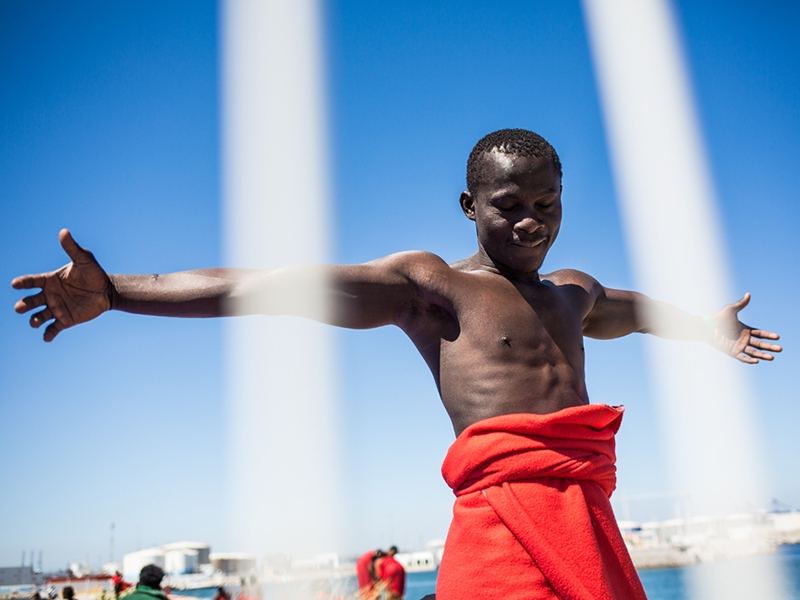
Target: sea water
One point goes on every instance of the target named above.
(674, 584)
(660, 584)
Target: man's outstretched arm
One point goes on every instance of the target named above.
(356, 296)
(81, 291)
(618, 312)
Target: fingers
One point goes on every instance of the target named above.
(757, 354)
(764, 334)
(53, 330)
(41, 317)
(27, 282)
(746, 359)
(30, 302)
(737, 306)
(71, 247)
(756, 343)
(753, 351)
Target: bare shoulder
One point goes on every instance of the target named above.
(416, 265)
(573, 277)
(582, 289)
(426, 274)
(415, 259)
(427, 315)
(398, 289)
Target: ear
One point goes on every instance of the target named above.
(467, 203)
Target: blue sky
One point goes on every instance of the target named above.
(110, 126)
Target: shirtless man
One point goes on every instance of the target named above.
(501, 338)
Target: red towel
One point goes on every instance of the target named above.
(532, 517)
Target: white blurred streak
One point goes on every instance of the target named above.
(280, 369)
(673, 233)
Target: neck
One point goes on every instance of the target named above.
(481, 260)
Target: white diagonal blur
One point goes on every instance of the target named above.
(675, 243)
(284, 495)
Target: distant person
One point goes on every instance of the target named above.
(392, 575)
(366, 575)
(149, 586)
(222, 594)
(120, 585)
(505, 344)
(68, 593)
(36, 595)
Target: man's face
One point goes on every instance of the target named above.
(516, 209)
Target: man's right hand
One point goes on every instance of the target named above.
(75, 293)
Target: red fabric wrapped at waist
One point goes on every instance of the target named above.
(532, 517)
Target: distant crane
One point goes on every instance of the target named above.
(111, 545)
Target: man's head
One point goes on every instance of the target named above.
(151, 576)
(68, 593)
(518, 142)
(392, 551)
(514, 197)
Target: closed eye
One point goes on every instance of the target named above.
(547, 203)
(504, 203)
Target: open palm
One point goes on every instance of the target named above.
(744, 343)
(75, 293)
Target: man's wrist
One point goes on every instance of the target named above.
(112, 294)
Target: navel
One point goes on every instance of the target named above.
(505, 340)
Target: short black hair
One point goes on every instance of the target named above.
(68, 593)
(508, 141)
(151, 576)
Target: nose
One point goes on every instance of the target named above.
(527, 225)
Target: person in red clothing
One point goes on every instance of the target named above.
(392, 575)
(366, 574)
(120, 585)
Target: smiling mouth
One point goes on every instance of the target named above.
(528, 244)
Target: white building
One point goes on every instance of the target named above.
(232, 563)
(203, 550)
(133, 562)
(178, 558)
(180, 561)
(413, 562)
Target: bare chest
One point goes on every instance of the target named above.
(503, 321)
(515, 352)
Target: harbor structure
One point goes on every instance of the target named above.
(233, 563)
(178, 558)
(704, 539)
